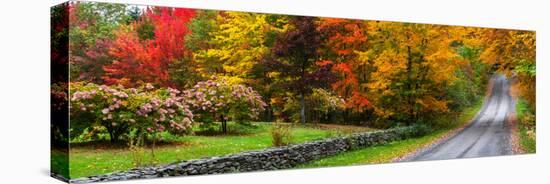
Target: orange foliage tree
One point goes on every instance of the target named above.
(343, 39)
(413, 65)
(514, 53)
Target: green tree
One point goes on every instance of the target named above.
(186, 72)
(90, 23)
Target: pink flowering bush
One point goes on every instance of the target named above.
(245, 103)
(120, 110)
(93, 105)
(146, 110)
(217, 100)
(162, 109)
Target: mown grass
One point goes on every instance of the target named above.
(528, 144)
(59, 162)
(94, 160)
(376, 154)
(388, 152)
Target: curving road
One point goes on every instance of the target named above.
(487, 135)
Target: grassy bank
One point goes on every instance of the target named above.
(526, 127)
(93, 159)
(388, 152)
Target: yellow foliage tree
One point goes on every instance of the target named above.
(238, 43)
(512, 52)
(413, 65)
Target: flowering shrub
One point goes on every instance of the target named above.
(206, 99)
(216, 99)
(121, 110)
(148, 110)
(163, 109)
(93, 105)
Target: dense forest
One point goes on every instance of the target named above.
(301, 69)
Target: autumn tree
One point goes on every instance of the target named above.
(414, 65)
(90, 63)
(511, 52)
(472, 77)
(92, 27)
(238, 42)
(261, 77)
(90, 22)
(296, 58)
(232, 45)
(344, 38)
(141, 61)
(187, 72)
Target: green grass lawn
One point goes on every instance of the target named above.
(94, 160)
(376, 154)
(528, 144)
(388, 152)
(59, 162)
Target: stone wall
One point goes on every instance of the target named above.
(262, 160)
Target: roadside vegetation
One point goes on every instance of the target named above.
(398, 149)
(527, 127)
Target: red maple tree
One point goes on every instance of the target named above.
(343, 36)
(137, 60)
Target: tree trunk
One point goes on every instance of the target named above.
(302, 108)
(114, 131)
(345, 114)
(153, 146)
(302, 93)
(224, 124)
(269, 117)
(111, 136)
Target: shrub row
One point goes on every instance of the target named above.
(123, 112)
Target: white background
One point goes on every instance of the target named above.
(24, 90)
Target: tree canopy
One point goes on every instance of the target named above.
(305, 69)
